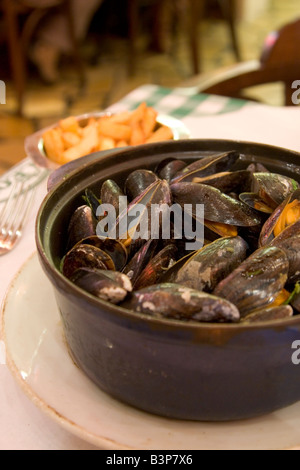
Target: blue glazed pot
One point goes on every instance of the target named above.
(209, 372)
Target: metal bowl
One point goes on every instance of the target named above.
(211, 372)
(34, 143)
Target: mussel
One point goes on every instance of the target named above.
(206, 166)
(88, 256)
(222, 213)
(134, 224)
(257, 281)
(82, 224)
(181, 303)
(212, 263)
(246, 269)
(286, 214)
(111, 286)
(111, 193)
(138, 181)
(268, 191)
(266, 314)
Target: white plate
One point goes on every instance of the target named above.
(39, 360)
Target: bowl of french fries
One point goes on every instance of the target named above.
(76, 136)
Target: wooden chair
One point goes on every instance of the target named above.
(19, 34)
(194, 14)
(279, 62)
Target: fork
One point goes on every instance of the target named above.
(14, 215)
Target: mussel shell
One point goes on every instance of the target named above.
(140, 260)
(156, 267)
(114, 249)
(267, 314)
(295, 303)
(218, 207)
(257, 281)
(207, 166)
(257, 167)
(267, 235)
(289, 242)
(255, 202)
(158, 193)
(82, 224)
(91, 200)
(212, 263)
(111, 193)
(170, 274)
(227, 182)
(137, 181)
(178, 302)
(85, 256)
(168, 168)
(273, 188)
(111, 286)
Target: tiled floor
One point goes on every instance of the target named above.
(108, 80)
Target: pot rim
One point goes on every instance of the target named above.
(169, 324)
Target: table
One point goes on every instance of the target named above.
(22, 424)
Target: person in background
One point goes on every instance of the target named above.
(53, 39)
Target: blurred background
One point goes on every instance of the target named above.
(120, 45)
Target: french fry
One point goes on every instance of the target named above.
(137, 135)
(138, 113)
(69, 124)
(53, 144)
(88, 144)
(70, 140)
(122, 118)
(107, 143)
(114, 130)
(162, 133)
(149, 122)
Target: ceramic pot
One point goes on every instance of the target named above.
(211, 372)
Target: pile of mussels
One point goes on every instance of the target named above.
(247, 270)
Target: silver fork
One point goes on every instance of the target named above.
(14, 215)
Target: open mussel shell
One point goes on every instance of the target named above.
(207, 166)
(134, 223)
(212, 263)
(113, 248)
(170, 274)
(279, 312)
(255, 202)
(179, 302)
(84, 255)
(82, 224)
(273, 188)
(257, 281)
(138, 181)
(218, 207)
(140, 260)
(270, 228)
(156, 267)
(289, 241)
(111, 286)
(111, 193)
